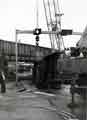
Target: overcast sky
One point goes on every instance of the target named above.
(21, 14)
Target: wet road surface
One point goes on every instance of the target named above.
(35, 105)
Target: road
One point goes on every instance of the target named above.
(33, 104)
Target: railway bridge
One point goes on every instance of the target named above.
(26, 52)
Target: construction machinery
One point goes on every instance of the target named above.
(53, 19)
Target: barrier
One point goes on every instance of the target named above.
(82, 90)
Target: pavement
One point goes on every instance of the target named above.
(32, 104)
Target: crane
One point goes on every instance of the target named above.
(53, 19)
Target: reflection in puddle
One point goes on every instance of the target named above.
(80, 110)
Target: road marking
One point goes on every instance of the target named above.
(44, 93)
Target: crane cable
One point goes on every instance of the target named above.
(47, 22)
(60, 21)
(37, 14)
(58, 6)
(55, 11)
(51, 21)
(37, 22)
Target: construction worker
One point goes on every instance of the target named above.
(2, 82)
(3, 72)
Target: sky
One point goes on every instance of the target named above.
(21, 14)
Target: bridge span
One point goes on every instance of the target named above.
(26, 52)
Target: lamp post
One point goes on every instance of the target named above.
(16, 52)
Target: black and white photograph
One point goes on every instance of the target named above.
(43, 60)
